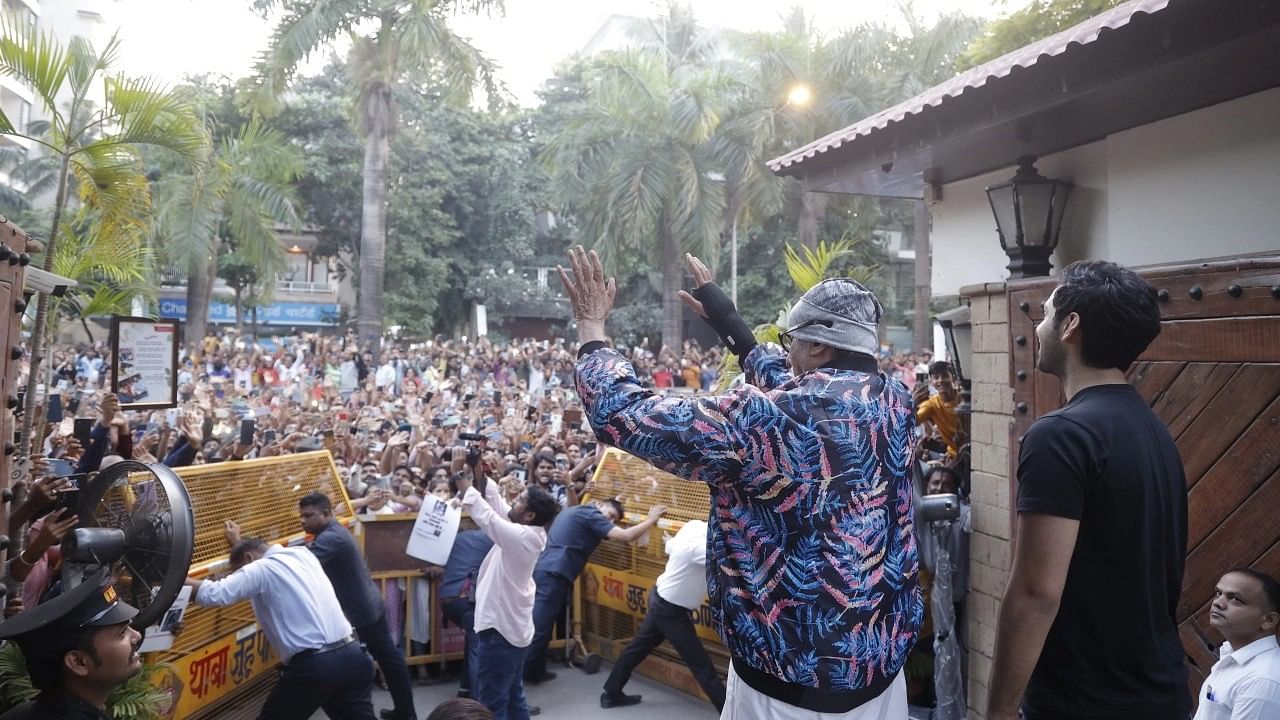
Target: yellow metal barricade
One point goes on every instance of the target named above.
(613, 593)
(221, 656)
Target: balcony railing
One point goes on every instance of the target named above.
(294, 287)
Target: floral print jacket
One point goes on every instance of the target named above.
(812, 565)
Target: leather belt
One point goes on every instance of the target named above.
(312, 652)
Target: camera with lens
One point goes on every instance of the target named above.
(939, 508)
(473, 450)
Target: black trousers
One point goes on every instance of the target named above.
(462, 613)
(667, 621)
(378, 641)
(338, 681)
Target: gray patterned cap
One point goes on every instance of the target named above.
(852, 309)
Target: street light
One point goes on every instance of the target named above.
(1028, 210)
(799, 95)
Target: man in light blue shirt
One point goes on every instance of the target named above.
(295, 604)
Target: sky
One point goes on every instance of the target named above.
(169, 39)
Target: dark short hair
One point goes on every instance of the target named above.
(1119, 311)
(1270, 586)
(940, 367)
(542, 504)
(244, 547)
(317, 500)
(616, 505)
(405, 468)
(44, 666)
(461, 709)
(544, 456)
(947, 470)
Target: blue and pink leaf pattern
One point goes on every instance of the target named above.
(812, 568)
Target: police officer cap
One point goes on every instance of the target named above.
(47, 628)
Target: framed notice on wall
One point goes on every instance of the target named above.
(144, 362)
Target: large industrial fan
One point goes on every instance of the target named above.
(135, 519)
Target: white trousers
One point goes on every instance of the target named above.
(743, 702)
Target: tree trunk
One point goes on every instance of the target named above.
(253, 327)
(38, 328)
(922, 335)
(672, 332)
(373, 230)
(197, 305)
(813, 208)
(237, 291)
(88, 333)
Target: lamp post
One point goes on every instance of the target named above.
(1028, 210)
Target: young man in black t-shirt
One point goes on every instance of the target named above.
(1088, 625)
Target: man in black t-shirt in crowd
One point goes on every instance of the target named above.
(1087, 626)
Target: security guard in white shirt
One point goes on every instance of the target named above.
(679, 589)
(294, 602)
(1245, 682)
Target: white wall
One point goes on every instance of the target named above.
(1203, 184)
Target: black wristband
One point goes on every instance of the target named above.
(723, 317)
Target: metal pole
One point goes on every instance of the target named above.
(733, 262)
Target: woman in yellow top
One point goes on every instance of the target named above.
(938, 412)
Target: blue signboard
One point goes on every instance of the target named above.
(283, 313)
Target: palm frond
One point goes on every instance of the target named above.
(143, 113)
(809, 266)
(304, 28)
(35, 58)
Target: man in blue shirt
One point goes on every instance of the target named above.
(573, 537)
(359, 597)
(458, 592)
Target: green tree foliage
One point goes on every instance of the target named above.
(462, 190)
(1038, 20)
(394, 42)
(636, 157)
(233, 204)
(96, 149)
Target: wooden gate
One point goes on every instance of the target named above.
(1213, 375)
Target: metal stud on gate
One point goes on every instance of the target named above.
(1235, 291)
(1196, 292)
(1163, 295)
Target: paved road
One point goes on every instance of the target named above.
(574, 695)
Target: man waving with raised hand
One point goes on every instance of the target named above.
(812, 566)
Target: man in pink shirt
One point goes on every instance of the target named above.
(505, 589)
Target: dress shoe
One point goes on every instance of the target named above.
(608, 700)
(534, 710)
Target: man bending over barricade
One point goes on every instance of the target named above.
(573, 537)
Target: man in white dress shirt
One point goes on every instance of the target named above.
(1245, 682)
(324, 667)
(680, 588)
(505, 589)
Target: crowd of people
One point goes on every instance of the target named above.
(814, 585)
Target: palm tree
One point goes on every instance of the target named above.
(235, 203)
(850, 76)
(408, 38)
(636, 160)
(96, 150)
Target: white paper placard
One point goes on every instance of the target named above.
(434, 531)
(160, 636)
